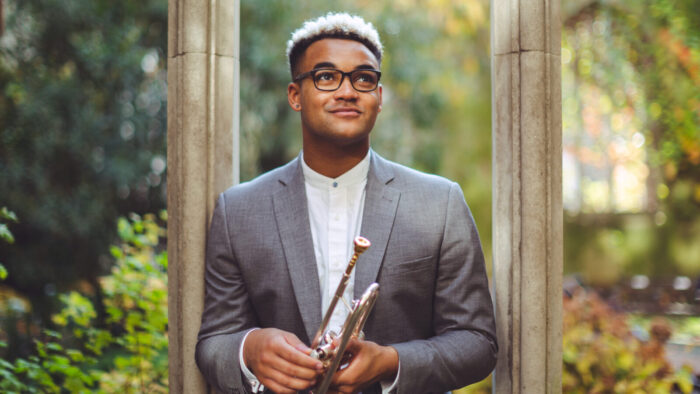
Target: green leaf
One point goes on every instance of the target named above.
(75, 355)
(52, 334)
(116, 252)
(5, 234)
(8, 215)
(3, 272)
(6, 365)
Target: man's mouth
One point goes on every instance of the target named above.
(346, 111)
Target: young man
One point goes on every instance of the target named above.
(278, 245)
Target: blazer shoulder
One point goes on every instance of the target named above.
(412, 179)
(262, 185)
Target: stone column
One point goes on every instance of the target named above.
(203, 85)
(527, 195)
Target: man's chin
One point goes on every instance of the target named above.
(347, 138)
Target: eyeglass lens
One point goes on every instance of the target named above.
(362, 80)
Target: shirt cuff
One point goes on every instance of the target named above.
(389, 387)
(255, 385)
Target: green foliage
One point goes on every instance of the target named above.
(82, 140)
(630, 77)
(130, 354)
(601, 355)
(6, 216)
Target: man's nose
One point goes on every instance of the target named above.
(346, 91)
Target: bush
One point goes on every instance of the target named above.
(601, 355)
(129, 354)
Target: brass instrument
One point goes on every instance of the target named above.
(322, 346)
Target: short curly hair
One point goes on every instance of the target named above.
(332, 25)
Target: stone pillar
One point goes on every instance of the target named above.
(203, 85)
(527, 195)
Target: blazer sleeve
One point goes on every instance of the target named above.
(464, 348)
(227, 314)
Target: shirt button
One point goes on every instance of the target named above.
(335, 184)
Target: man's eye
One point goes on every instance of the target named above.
(365, 77)
(325, 76)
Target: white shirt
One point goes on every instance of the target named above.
(335, 208)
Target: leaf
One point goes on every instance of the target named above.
(5, 234)
(8, 215)
(3, 272)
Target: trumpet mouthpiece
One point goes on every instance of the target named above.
(361, 244)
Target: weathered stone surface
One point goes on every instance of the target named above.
(506, 224)
(527, 206)
(203, 107)
(504, 27)
(525, 25)
(533, 25)
(226, 27)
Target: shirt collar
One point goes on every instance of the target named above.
(353, 176)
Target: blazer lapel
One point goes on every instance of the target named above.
(292, 215)
(381, 202)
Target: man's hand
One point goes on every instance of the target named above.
(369, 364)
(280, 360)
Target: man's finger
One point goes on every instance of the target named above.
(273, 377)
(297, 357)
(278, 359)
(290, 369)
(297, 343)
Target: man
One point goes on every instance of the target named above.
(277, 247)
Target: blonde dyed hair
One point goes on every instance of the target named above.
(332, 25)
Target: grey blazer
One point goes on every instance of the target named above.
(434, 305)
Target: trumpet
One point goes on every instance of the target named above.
(328, 346)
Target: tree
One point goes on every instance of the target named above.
(82, 132)
(631, 75)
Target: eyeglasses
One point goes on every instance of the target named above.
(330, 79)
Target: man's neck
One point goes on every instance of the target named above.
(333, 161)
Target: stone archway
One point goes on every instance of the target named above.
(203, 86)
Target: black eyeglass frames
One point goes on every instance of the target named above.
(330, 79)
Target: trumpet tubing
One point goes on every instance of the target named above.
(328, 346)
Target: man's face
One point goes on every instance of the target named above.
(344, 116)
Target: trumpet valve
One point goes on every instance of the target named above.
(329, 336)
(324, 351)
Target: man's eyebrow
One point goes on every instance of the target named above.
(332, 65)
(323, 65)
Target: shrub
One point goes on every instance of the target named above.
(129, 354)
(601, 355)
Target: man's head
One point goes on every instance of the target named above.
(340, 25)
(335, 61)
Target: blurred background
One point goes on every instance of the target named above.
(83, 173)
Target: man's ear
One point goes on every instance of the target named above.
(379, 92)
(294, 96)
